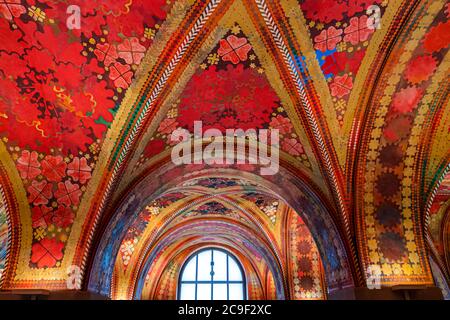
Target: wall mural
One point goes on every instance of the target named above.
(60, 90)
(403, 98)
(4, 234)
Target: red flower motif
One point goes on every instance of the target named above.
(68, 193)
(281, 123)
(341, 86)
(357, 31)
(153, 147)
(63, 217)
(234, 49)
(54, 168)
(131, 51)
(28, 165)
(47, 252)
(121, 75)
(406, 100)
(292, 146)
(42, 216)
(167, 126)
(79, 170)
(39, 192)
(11, 8)
(106, 53)
(328, 39)
(420, 69)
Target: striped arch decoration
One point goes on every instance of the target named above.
(390, 225)
(4, 235)
(359, 91)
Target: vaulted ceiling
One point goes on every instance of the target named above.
(358, 90)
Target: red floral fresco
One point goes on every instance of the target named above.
(60, 87)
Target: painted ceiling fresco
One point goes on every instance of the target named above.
(358, 90)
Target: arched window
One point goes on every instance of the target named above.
(212, 274)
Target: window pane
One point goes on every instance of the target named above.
(189, 271)
(236, 291)
(220, 266)
(204, 265)
(204, 291)
(220, 291)
(234, 272)
(187, 291)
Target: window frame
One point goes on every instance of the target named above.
(194, 255)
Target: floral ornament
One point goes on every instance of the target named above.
(131, 51)
(167, 126)
(47, 252)
(281, 123)
(406, 100)
(54, 168)
(213, 97)
(42, 216)
(11, 8)
(420, 69)
(63, 217)
(106, 52)
(341, 86)
(39, 192)
(28, 165)
(328, 39)
(68, 193)
(292, 146)
(121, 75)
(234, 49)
(127, 250)
(79, 170)
(358, 30)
